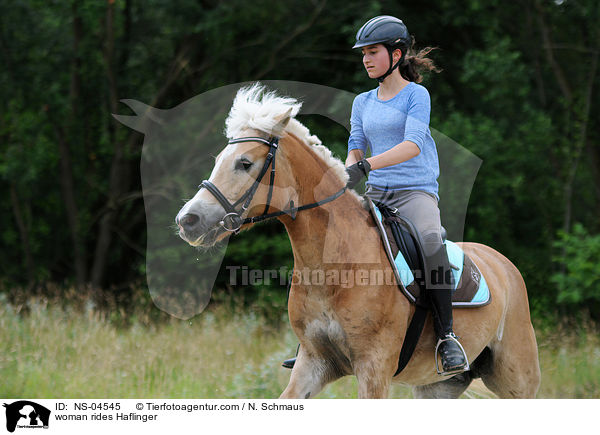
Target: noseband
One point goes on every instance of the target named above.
(232, 221)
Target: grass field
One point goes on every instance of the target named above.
(52, 352)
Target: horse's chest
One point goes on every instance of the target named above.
(327, 338)
(325, 329)
(319, 328)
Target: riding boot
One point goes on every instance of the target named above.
(440, 284)
(289, 363)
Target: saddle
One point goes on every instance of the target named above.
(404, 248)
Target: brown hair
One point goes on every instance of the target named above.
(413, 64)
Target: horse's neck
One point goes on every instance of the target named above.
(337, 235)
(325, 236)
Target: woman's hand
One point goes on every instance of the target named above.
(353, 157)
(357, 172)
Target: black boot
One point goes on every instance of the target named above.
(289, 363)
(440, 283)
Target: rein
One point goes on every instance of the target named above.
(232, 221)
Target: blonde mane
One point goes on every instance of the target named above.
(255, 108)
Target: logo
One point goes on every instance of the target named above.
(26, 414)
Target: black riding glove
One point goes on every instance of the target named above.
(356, 172)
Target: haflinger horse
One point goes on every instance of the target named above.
(345, 330)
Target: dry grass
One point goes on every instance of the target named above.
(53, 352)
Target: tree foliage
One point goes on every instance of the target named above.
(579, 252)
(519, 88)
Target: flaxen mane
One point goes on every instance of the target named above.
(255, 108)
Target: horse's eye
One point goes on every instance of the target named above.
(243, 163)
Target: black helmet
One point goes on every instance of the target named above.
(385, 30)
(389, 31)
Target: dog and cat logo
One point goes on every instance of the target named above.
(25, 414)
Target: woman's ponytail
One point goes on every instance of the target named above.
(414, 64)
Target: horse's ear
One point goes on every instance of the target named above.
(282, 122)
(144, 114)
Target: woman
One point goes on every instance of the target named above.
(393, 121)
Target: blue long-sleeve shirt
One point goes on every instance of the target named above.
(381, 125)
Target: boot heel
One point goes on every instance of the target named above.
(289, 363)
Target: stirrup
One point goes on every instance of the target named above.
(450, 337)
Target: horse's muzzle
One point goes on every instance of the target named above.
(188, 222)
(199, 226)
(190, 227)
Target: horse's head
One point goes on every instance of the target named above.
(261, 132)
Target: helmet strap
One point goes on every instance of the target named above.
(393, 66)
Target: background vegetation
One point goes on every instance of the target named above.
(519, 88)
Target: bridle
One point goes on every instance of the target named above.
(232, 221)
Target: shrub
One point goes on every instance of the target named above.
(578, 255)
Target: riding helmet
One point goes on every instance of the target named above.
(389, 31)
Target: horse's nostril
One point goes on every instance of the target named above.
(189, 221)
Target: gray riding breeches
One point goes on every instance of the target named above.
(420, 207)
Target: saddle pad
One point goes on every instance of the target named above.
(471, 289)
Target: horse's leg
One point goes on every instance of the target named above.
(509, 367)
(513, 370)
(309, 375)
(373, 379)
(449, 389)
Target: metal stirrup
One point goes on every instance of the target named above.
(450, 337)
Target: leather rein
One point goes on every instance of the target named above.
(232, 221)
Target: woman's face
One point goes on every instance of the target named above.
(377, 60)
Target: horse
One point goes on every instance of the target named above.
(350, 329)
